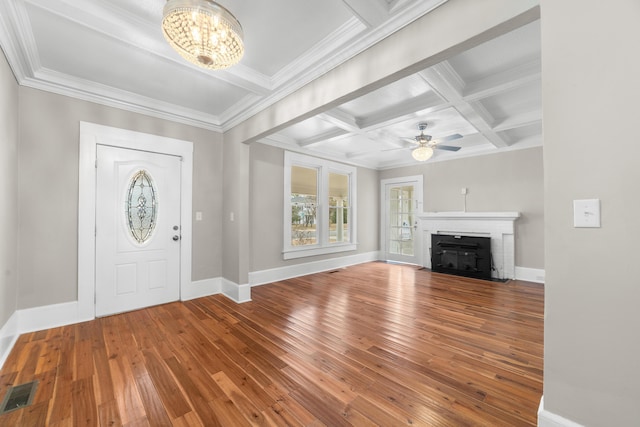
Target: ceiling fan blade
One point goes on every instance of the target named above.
(446, 147)
(450, 137)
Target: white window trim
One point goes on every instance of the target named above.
(323, 246)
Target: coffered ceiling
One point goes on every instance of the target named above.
(113, 52)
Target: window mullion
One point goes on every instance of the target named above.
(323, 205)
(287, 206)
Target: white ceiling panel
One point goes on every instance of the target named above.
(277, 32)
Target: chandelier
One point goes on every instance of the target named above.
(203, 32)
(422, 153)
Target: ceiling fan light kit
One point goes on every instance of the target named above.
(203, 32)
(422, 153)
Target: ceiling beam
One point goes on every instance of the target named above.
(444, 80)
(341, 119)
(371, 13)
(279, 140)
(512, 78)
(519, 120)
(427, 102)
(325, 136)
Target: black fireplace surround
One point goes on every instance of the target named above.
(461, 255)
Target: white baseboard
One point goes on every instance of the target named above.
(529, 274)
(8, 337)
(262, 277)
(49, 316)
(549, 419)
(235, 292)
(36, 319)
(201, 288)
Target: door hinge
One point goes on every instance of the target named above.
(96, 164)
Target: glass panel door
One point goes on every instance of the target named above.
(402, 205)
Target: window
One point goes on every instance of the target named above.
(318, 204)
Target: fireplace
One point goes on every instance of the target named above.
(461, 255)
(499, 226)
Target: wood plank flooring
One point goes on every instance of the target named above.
(373, 344)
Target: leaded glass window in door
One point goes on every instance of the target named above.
(141, 206)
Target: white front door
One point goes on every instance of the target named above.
(137, 229)
(402, 202)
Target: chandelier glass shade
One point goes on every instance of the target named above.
(422, 153)
(203, 32)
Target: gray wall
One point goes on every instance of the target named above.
(267, 210)
(591, 87)
(8, 191)
(235, 233)
(48, 191)
(511, 181)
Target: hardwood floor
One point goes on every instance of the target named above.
(373, 344)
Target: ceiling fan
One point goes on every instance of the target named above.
(426, 144)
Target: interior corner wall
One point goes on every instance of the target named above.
(508, 181)
(8, 193)
(48, 155)
(590, 88)
(235, 219)
(267, 211)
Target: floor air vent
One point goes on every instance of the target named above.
(18, 397)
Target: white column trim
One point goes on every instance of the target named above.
(8, 336)
(235, 292)
(549, 419)
(535, 275)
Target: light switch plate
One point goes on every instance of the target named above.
(586, 213)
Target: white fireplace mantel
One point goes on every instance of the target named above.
(497, 225)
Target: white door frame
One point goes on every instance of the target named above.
(92, 135)
(417, 180)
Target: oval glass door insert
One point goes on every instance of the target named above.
(141, 206)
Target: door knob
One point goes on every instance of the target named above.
(176, 238)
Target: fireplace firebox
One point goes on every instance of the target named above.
(468, 256)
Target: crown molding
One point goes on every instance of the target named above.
(63, 84)
(17, 40)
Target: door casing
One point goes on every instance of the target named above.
(91, 135)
